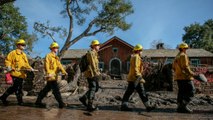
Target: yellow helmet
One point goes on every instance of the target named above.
(95, 42)
(20, 41)
(54, 45)
(183, 46)
(138, 47)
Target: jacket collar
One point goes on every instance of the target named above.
(52, 54)
(19, 52)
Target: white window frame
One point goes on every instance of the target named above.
(195, 60)
(128, 65)
(102, 64)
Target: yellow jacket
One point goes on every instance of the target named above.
(18, 61)
(93, 68)
(181, 67)
(136, 67)
(52, 66)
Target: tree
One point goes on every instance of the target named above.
(199, 36)
(13, 26)
(2, 2)
(105, 16)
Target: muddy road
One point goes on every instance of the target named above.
(108, 99)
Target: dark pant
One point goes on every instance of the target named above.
(186, 91)
(131, 88)
(93, 88)
(16, 87)
(51, 85)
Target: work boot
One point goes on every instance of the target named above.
(83, 100)
(20, 100)
(124, 107)
(62, 105)
(3, 99)
(182, 108)
(149, 106)
(38, 103)
(90, 106)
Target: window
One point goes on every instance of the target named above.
(65, 62)
(101, 66)
(128, 65)
(169, 60)
(195, 62)
(115, 50)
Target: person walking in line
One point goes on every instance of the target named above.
(92, 74)
(17, 65)
(183, 76)
(135, 81)
(52, 67)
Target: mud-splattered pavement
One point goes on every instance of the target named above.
(14, 112)
(108, 99)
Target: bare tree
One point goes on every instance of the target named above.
(106, 15)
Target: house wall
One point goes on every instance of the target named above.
(203, 61)
(123, 53)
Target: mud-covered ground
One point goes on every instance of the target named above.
(108, 98)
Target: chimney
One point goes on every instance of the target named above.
(160, 46)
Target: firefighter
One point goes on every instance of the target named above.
(184, 77)
(52, 67)
(92, 74)
(135, 81)
(16, 63)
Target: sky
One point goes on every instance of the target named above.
(152, 20)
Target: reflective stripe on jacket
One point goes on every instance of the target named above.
(18, 61)
(181, 67)
(93, 67)
(52, 66)
(136, 67)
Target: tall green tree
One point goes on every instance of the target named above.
(13, 26)
(2, 2)
(98, 16)
(200, 36)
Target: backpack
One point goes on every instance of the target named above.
(83, 63)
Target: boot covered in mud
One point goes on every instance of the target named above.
(149, 106)
(62, 105)
(83, 100)
(183, 108)
(38, 103)
(3, 98)
(124, 107)
(19, 99)
(90, 106)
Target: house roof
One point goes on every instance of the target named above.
(78, 53)
(116, 38)
(174, 52)
(74, 53)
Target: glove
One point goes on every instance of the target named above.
(9, 69)
(137, 81)
(65, 74)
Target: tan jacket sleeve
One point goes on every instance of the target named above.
(27, 62)
(47, 64)
(93, 65)
(137, 65)
(60, 66)
(8, 60)
(184, 62)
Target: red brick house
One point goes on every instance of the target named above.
(115, 55)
